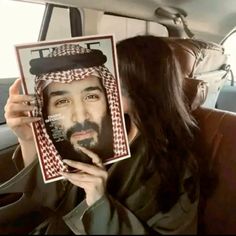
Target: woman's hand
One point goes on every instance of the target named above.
(91, 177)
(16, 112)
(17, 117)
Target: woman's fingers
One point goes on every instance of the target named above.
(86, 181)
(16, 97)
(15, 87)
(82, 177)
(18, 105)
(91, 177)
(12, 108)
(17, 112)
(94, 186)
(95, 158)
(84, 167)
(20, 98)
(97, 166)
(18, 121)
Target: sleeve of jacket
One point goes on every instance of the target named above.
(109, 216)
(20, 182)
(26, 190)
(106, 216)
(18, 213)
(29, 180)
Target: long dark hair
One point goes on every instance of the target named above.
(150, 76)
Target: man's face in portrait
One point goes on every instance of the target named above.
(86, 119)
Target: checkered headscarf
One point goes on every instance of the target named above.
(50, 159)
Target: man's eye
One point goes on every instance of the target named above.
(91, 97)
(61, 102)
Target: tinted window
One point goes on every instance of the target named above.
(20, 22)
(230, 48)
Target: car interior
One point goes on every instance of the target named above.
(196, 32)
(215, 143)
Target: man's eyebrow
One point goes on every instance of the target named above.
(63, 92)
(92, 88)
(57, 93)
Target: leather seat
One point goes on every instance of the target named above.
(215, 144)
(218, 151)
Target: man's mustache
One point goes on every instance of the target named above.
(79, 127)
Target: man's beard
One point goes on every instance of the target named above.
(78, 127)
(103, 148)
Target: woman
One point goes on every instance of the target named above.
(154, 191)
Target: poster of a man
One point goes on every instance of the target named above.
(83, 118)
(78, 98)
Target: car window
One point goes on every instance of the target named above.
(20, 22)
(124, 27)
(230, 48)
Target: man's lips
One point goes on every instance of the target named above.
(85, 134)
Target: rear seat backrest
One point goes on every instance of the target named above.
(216, 143)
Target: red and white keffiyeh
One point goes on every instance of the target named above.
(51, 162)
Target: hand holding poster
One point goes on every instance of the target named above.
(77, 90)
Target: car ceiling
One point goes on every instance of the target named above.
(207, 19)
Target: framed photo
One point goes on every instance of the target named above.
(77, 92)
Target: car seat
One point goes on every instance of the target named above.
(202, 60)
(204, 68)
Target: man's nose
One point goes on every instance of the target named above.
(79, 113)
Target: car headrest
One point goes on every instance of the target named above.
(203, 66)
(197, 56)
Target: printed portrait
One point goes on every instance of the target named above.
(78, 97)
